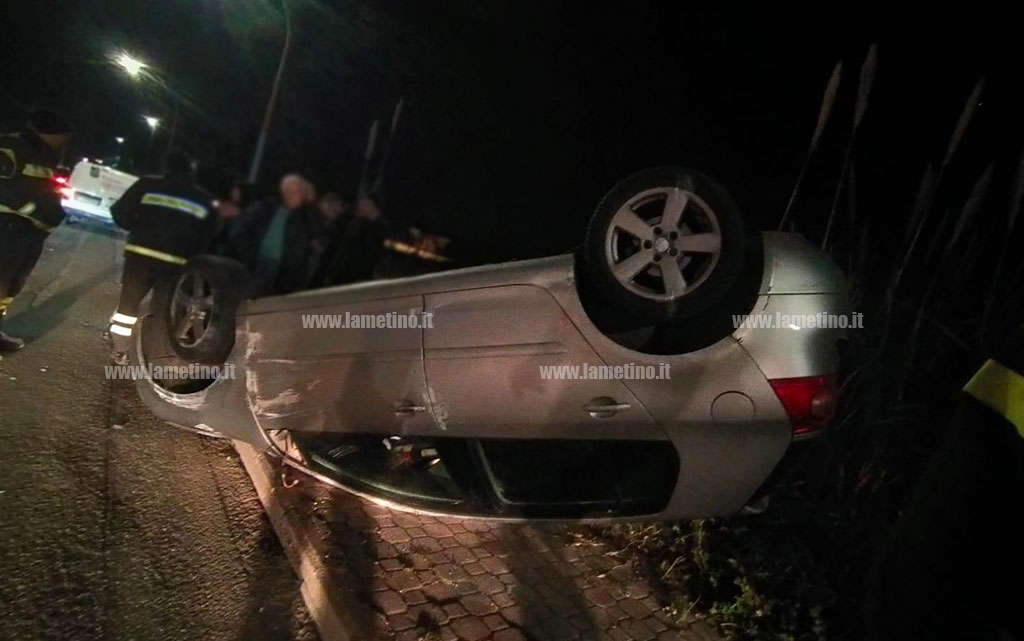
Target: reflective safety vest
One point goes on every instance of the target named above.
(1000, 389)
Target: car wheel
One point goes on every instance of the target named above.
(198, 305)
(664, 244)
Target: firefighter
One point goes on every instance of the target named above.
(952, 566)
(168, 218)
(29, 203)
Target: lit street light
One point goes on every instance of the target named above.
(131, 65)
(119, 139)
(152, 122)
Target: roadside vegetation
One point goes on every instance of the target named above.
(938, 272)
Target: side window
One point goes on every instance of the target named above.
(94, 172)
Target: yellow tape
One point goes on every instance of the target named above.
(1000, 389)
(152, 253)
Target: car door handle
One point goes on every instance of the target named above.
(605, 407)
(405, 409)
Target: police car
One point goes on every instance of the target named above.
(92, 188)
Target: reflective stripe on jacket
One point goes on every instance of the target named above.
(1000, 389)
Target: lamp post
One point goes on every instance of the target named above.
(268, 114)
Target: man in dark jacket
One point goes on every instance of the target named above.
(952, 566)
(29, 203)
(168, 218)
(273, 239)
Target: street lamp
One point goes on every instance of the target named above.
(152, 122)
(119, 139)
(261, 142)
(131, 65)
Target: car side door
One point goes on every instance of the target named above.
(340, 367)
(494, 357)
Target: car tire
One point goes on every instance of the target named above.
(665, 244)
(198, 305)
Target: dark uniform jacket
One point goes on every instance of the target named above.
(168, 215)
(28, 191)
(293, 271)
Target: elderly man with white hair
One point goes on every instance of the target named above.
(273, 238)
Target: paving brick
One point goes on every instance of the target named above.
(515, 615)
(389, 602)
(437, 530)
(473, 569)
(441, 592)
(455, 610)
(497, 548)
(494, 565)
(479, 605)
(415, 597)
(468, 539)
(503, 599)
(400, 622)
(403, 581)
(395, 535)
(637, 630)
(450, 572)
(464, 588)
(495, 622)
(462, 555)
(488, 584)
(634, 608)
(470, 629)
(510, 634)
(426, 545)
(600, 597)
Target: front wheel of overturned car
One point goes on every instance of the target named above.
(198, 305)
(664, 244)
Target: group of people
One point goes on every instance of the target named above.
(289, 242)
(299, 239)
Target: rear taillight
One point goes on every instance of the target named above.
(809, 401)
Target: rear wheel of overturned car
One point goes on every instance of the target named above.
(664, 244)
(198, 305)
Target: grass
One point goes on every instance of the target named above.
(938, 281)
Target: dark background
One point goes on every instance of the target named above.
(519, 115)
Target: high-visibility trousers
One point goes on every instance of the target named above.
(140, 275)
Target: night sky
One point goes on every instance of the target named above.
(519, 115)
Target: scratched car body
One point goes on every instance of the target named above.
(461, 414)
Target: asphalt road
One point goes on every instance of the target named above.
(113, 525)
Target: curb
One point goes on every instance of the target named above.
(331, 611)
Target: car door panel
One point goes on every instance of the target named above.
(483, 360)
(366, 380)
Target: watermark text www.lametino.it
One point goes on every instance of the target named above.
(778, 320)
(586, 372)
(192, 372)
(389, 320)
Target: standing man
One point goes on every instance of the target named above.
(168, 218)
(29, 203)
(273, 239)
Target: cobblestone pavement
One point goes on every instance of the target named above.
(432, 579)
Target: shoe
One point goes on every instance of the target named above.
(9, 343)
(119, 358)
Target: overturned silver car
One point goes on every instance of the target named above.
(625, 380)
